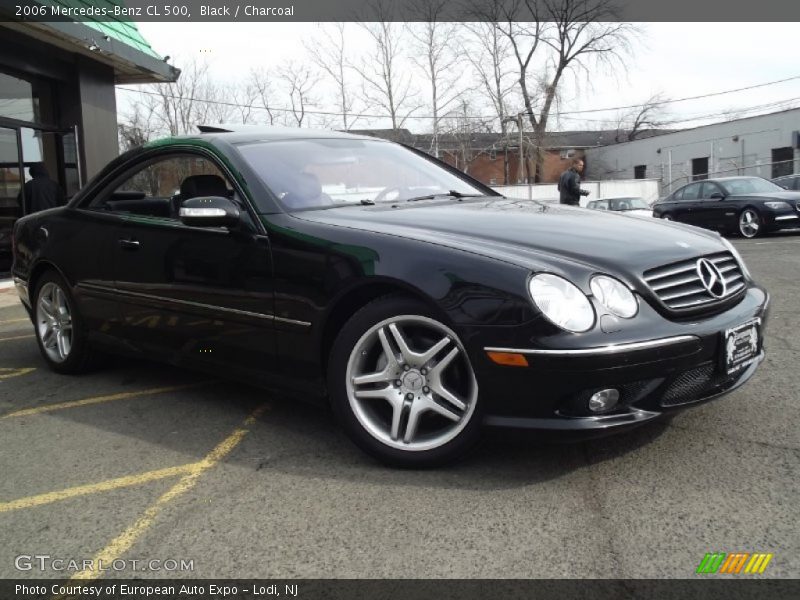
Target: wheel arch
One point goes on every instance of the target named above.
(39, 269)
(356, 297)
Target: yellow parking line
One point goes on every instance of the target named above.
(17, 337)
(123, 542)
(9, 373)
(98, 399)
(102, 486)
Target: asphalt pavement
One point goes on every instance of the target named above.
(143, 462)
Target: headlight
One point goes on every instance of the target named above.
(615, 296)
(562, 302)
(778, 204)
(737, 256)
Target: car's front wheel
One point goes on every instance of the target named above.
(750, 225)
(58, 326)
(402, 385)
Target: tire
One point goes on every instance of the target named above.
(751, 225)
(667, 217)
(419, 408)
(59, 329)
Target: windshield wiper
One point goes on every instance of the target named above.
(451, 193)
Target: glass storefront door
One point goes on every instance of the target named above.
(11, 181)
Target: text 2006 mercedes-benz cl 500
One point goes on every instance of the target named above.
(418, 302)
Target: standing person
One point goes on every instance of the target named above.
(569, 184)
(41, 192)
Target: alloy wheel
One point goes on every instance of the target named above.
(749, 223)
(54, 322)
(410, 384)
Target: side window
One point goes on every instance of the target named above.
(158, 187)
(677, 196)
(691, 192)
(795, 183)
(708, 189)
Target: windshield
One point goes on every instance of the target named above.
(320, 173)
(628, 204)
(750, 185)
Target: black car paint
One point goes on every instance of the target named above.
(265, 304)
(722, 213)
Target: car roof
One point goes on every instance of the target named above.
(240, 134)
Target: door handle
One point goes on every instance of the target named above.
(129, 244)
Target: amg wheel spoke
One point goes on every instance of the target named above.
(443, 364)
(46, 305)
(49, 337)
(428, 356)
(382, 393)
(62, 345)
(447, 395)
(391, 358)
(402, 345)
(439, 409)
(378, 377)
(413, 422)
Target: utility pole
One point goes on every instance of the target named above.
(521, 166)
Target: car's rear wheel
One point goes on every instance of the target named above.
(667, 217)
(402, 385)
(58, 326)
(750, 224)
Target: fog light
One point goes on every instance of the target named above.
(604, 400)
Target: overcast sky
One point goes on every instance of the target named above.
(678, 59)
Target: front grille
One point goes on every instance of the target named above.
(678, 285)
(696, 384)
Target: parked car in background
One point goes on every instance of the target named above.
(418, 302)
(788, 182)
(630, 205)
(749, 206)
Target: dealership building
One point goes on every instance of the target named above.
(766, 146)
(57, 101)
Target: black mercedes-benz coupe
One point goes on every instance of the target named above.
(421, 304)
(748, 206)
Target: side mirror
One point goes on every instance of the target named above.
(209, 211)
(717, 196)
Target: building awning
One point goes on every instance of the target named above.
(117, 43)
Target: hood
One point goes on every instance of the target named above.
(530, 234)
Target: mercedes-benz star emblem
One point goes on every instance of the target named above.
(711, 278)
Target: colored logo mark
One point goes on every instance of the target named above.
(735, 563)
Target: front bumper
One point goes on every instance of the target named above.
(784, 219)
(654, 377)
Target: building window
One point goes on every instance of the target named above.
(699, 168)
(493, 181)
(640, 171)
(569, 153)
(782, 161)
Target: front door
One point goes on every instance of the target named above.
(190, 294)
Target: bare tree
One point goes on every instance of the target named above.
(329, 54)
(435, 57)
(460, 127)
(138, 126)
(181, 103)
(488, 51)
(562, 37)
(299, 80)
(244, 96)
(262, 82)
(650, 115)
(385, 85)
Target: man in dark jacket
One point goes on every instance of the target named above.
(569, 184)
(41, 192)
